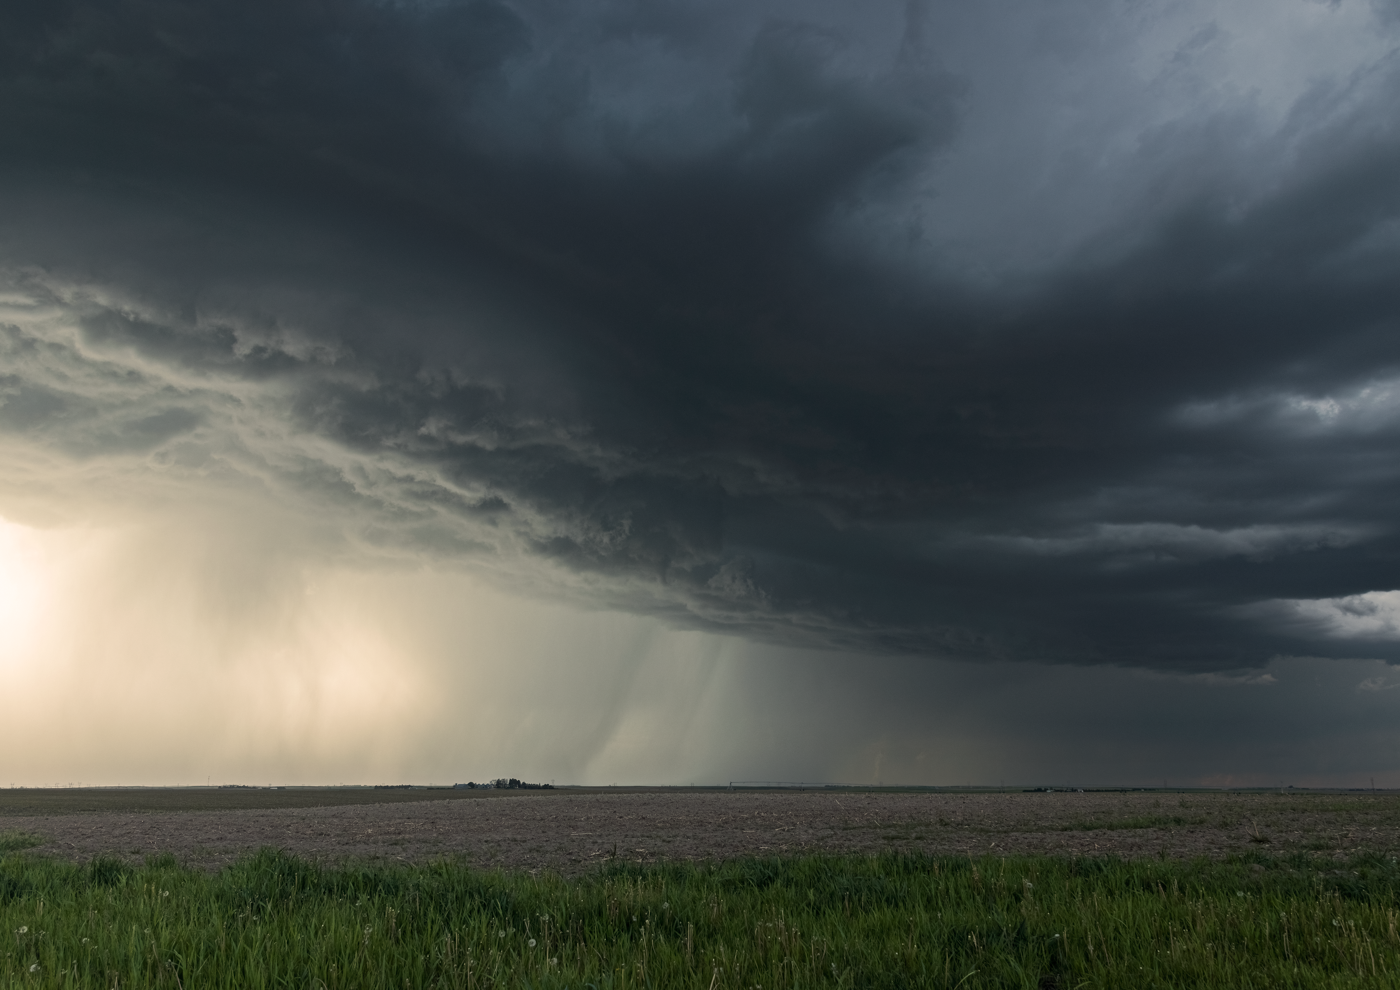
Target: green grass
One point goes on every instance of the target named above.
(14, 841)
(853, 922)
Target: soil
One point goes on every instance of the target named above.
(571, 831)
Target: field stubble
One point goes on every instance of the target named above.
(570, 832)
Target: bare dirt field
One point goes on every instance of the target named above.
(570, 831)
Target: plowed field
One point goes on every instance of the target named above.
(569, 831)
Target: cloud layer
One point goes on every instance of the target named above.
(913, 329)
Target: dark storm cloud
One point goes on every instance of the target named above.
(648, 301)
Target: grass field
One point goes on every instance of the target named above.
(859, 922)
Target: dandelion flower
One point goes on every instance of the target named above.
(24, 929)
(34, 968)
(501, 933)
(532, 943)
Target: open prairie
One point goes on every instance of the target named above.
(570, 830)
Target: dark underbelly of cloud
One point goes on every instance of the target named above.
(633, 305)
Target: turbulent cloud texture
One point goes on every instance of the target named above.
(1061, 334)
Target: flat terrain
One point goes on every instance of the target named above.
(570, 830)
(84, 800)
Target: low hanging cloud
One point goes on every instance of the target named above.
(1128, 545)
(1372, 617)
(768, 318)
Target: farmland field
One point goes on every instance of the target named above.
(571, 830)
(711, 890)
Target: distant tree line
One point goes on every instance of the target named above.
(507, 784)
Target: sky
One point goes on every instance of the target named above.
(684, 392)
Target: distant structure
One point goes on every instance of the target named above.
(503, 784)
